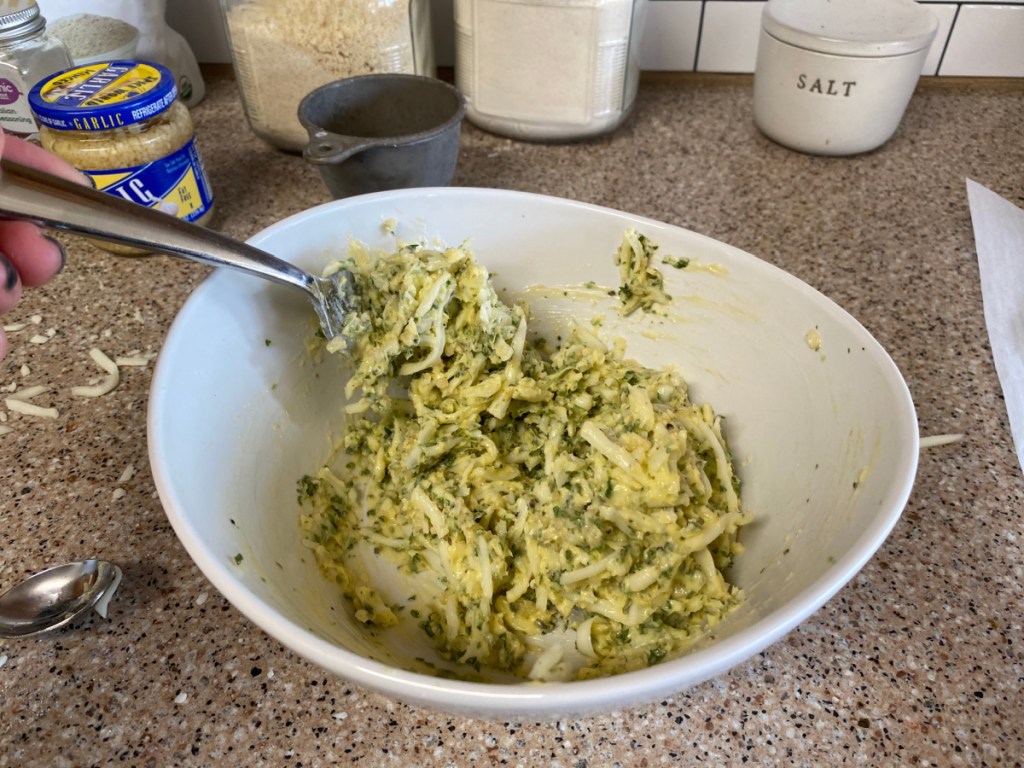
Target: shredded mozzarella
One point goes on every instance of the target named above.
(110, 381)
(30, 409)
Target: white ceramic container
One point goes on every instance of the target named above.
(820, 421)
(834, 78)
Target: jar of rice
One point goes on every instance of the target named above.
(283, 50)
(122, 124)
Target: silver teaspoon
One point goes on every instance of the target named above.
(56, 596)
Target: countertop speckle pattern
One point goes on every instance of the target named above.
(918, 661)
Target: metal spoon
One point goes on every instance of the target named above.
(56, 596)
(31, 194)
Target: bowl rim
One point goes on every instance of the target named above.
(550, 699)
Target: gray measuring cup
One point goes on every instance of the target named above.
(390, 131)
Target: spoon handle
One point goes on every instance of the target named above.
(54, 202)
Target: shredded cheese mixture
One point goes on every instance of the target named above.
(556, 513)
(641, 285)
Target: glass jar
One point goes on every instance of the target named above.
(121, 123)
(27, 55)
(548, 69)
(282, 51)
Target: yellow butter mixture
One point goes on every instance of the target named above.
(556, 510)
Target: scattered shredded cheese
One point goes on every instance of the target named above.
(113, 377)
(935, 441)
(135, 360)
(28, 393)
(30, 409)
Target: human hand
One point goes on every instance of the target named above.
(28, 257)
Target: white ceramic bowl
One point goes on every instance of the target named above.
(825, 439)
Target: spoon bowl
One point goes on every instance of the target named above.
(57, 596)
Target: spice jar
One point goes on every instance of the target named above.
(282, 51)
(121, 123)
(548, 69)
(27, 54)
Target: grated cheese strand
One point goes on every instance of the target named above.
(109, 383)
(30, 409)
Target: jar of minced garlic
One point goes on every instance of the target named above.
(121, 123)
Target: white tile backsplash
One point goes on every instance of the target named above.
(728, 36)
(945, 13)
(980, 38)
(986, 40)
(670, 36)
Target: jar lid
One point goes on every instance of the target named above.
(19, 18)
(864, 28)
(103, 96)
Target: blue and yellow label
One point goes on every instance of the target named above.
(175, 184)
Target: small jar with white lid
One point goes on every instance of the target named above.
(548, 70)
(834, 78)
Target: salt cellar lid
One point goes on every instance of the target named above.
(861, 28)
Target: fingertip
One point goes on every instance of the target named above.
(10, 285)
(62, 254)
(35, 257)
(25, 152)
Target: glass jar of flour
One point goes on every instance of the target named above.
(548, 69)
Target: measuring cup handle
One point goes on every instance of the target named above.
(326, 148)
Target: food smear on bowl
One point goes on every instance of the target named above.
(556, 511)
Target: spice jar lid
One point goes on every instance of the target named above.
(103, 96)
(865, 28)
(20, 18)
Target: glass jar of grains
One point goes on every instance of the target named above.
(283, 50)
(121, 123)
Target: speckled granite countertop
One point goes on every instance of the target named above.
(918, 661)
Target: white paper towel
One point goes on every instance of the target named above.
(999, 239)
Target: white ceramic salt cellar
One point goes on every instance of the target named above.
(834, 77)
